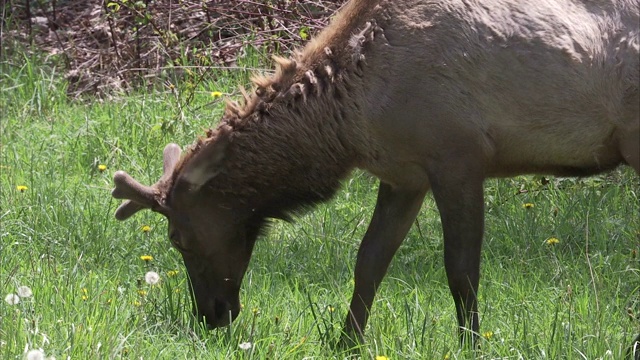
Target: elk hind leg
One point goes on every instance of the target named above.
(458, 190)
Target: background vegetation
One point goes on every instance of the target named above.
(577, 298)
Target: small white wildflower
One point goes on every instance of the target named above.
(12, 299)
(245, 345)
(608, 353)
(24, 291)
(121, 290)
(35, 355)
(151, 277)
(45, 339)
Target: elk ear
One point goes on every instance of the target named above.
(206, 163)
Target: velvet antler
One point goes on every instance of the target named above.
(139, 196)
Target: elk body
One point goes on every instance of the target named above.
(425, 95)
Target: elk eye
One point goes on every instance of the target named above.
(174, 236)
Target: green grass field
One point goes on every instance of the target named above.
(574, 299)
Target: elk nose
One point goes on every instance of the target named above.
(219, 313)
(222, 310)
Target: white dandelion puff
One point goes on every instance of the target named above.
(12, 299)
(24, 291)
(245, 345)
(37, 354)
(151, 277)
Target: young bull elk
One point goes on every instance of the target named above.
(423, 94)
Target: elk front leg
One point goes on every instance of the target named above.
(396, 209)
(458, 191)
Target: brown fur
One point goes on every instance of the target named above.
(426, 95)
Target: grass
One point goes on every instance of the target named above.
(570, 300)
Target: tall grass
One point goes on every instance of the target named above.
(569, 300)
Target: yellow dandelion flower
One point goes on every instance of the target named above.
(381, 357)
(102, 167)
(145, 228)
(177, 291)
(216, 94)
(85, 297)
(552, 241)
(142, 292)
(146, 257)
(447, 356)
(84, 291)
(331, 308)
(255, 311)
(21, 188)
(137, 303)
(171, 273)
(528, 205)
(487, 335)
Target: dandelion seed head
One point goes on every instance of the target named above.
(36, 354)
(245, 345)
(24, 291)
(12, 299)
(151, 277)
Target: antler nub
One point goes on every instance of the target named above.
(140, 196)
(128, 188)
(126, 209)
(171, 156)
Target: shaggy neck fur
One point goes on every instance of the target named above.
(297, 135)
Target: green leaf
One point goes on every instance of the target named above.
(304, 33)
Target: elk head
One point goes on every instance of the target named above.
(214, 232)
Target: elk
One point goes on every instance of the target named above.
(425, 95)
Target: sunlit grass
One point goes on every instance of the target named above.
(540, 298)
